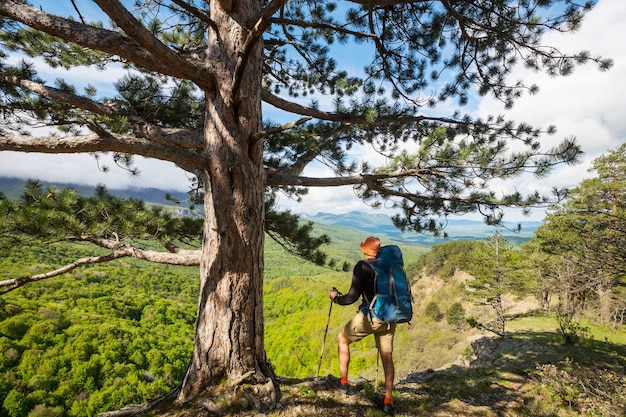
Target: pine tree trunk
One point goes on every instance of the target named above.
(605, 302)
(501, 320)
(229, 342)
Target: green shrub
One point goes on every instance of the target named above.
(571, 330)
(16, 404)
(44, 411)
(432, 311)
(455, 315)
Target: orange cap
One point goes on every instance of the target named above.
(370, 246)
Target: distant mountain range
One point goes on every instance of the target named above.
(371, 223)
(460, 229)
(14, 187)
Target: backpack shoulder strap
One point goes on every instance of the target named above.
(371, 282)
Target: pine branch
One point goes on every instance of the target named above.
(109, 42)
(384, 3)
(199, 13)
(137, 31)
(281, 128)
(185, 138)
(301, 163)
(174, 256)
(384, 52)
(15, 283)
(278, 178)
(105, 142)
(292, 107)
(181, 257)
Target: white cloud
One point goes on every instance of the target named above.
(327, 200)
(83, 169)
(587, 104)
(81, 77)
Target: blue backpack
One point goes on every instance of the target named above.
(392, 301)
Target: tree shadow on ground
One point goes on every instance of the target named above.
(499, 377)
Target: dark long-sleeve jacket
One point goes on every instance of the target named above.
(362, 284)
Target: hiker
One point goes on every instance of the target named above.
(363, 284)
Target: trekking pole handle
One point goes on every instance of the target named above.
(337, 291)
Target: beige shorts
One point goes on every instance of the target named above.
(361, 326)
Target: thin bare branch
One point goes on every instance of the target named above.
(80, 15)
(280, 128)
(317, 25)
(15, 283)
(180, 257)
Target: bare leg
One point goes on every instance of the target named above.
(343, 351)
(388, 368)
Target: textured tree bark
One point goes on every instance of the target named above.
(229, 341)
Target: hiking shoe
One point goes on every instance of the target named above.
(380, 402)
(388, 409)
(336, 383)
(347, 388)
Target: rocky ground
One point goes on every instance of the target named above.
(470, 387)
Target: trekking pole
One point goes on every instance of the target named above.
(319, 365)
(377, 357)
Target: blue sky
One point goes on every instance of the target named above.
(588, 105)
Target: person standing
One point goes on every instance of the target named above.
(361, 325)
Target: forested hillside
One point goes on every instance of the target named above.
(94, 339)
(107, 336)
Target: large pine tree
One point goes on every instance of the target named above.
(199, 74)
